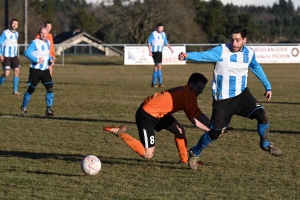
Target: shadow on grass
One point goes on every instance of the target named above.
(37, 155)
(270, 102)
(78, 157)
(52, 173)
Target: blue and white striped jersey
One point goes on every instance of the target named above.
(9, 43)
(39, 49)
(157, 41)
(231, 69)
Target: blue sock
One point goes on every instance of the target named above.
(203, 142)
(26, 99)
(154, 77)
(2, 79)
(16, 83)
(262, 131)
(49, 99)
(159, 74)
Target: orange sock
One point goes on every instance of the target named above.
(181, 144)
(133, 143)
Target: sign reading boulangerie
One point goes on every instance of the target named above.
(277, 54)
(139, 55)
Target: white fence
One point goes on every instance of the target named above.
(265, 52)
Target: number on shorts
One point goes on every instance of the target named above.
(152, 139)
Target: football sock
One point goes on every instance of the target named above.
(181, 144)
(159, 76)
(16, 83)
(2, 79)
(203, 142)
(49, 99)
(26, 99)
(133, 143)
(154, 77)
(263, 132)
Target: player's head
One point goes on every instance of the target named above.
(160, 27)
(238, 37)
(48, 26)
(197, 83)
(14, 23)
(43, 33)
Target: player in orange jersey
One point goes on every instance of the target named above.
(155, 114)
(48, 26)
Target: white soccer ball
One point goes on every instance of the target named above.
(91, 165)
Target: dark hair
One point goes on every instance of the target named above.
(47, 22)
(197, 77)
(239, 29)
(13, 20)
(159, 24)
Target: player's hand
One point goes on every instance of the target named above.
(171, 50)
(150, 53)
(182, 56)
(268, 95)
(1, 58)
(51, 62)
(41, 60)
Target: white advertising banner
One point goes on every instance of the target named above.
(277, 54)
(139, 55)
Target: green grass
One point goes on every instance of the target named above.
(40, 157)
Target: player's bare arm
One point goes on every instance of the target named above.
(199, 125)
(1, 58)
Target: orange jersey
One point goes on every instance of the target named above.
(50, 38)
(170, 101)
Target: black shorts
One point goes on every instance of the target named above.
(11, 63)
(146, 125)
(242, 105)
(157, 57)
(37, 75)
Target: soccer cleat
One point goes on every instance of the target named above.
(153, 85)
(117, 130)
(16, 93)
(23, 112)
(161, 85)
(275, 151)
(193, 160)
(50, 112)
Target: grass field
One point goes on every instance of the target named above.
(40, 157)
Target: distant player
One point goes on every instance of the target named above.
(156, 42)
(9, 54)
(38, 52)
(48, 26)
(155, 114)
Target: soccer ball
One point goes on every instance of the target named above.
(91, 165)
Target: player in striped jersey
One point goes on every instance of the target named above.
(38, 52)
(231, 95)
(156, 42)
(155, 114)
(48, 26)
(9, 54)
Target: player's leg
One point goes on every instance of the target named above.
(33, 80)
(159, 70)
(252, 109)
(154, 74)
(15, 64)
(6, 65)
(48, 83)
(169, 123)
(222, 113)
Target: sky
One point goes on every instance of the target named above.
(241, 2)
